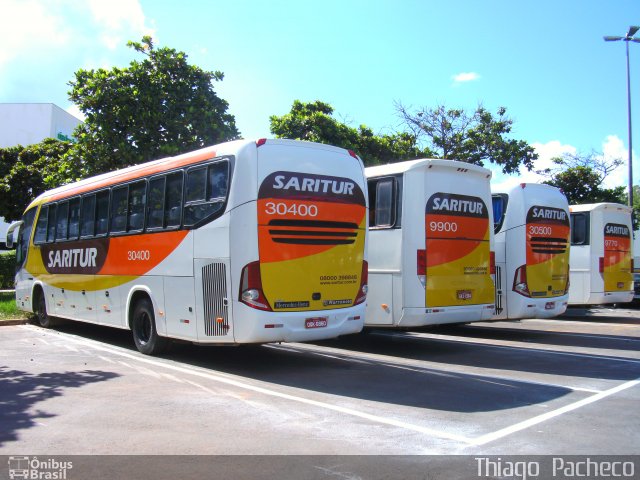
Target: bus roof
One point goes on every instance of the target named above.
(162, 165)
(589, 207)
(508, 187)
(425, 163)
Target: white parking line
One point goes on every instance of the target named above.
(229, 380)
(265, 391)
(502, 344)
(417, 365)
(490, 437)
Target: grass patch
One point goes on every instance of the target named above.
(8, 309)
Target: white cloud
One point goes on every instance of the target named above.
(43, 42)
(612, 148)
(545, 151)
(116, 20)
(465, 77)
(28, 26)
(52, 29)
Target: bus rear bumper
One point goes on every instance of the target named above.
(418, 317)
(603, 298)
(298, 326)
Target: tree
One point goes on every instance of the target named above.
(158, 107)
(473, 138)
(26, 172)
(580, 177)
(314, 122)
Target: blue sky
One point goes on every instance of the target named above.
(545, 60)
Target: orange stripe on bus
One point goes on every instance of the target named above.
(127, 254)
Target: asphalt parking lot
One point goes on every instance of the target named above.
(567, 386)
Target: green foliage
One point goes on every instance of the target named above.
(26, 172)
(582, 185)
(314, 122)
(580, 177)
(7, 269)
(157, 107)
(476, 138)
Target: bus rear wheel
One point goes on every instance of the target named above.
(143, 326)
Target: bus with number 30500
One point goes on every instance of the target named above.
(242, 242)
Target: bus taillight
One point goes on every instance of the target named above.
(520, 281)
(492, 262)
(251, 287)
(601, 264)
(364, 284)
(421, 264)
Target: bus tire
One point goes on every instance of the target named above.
(40, 309)
(143, 327)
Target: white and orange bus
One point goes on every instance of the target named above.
(601, 254)
(532, 251)
(430, 237)
(242, 242)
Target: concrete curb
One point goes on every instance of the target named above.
(19, 321)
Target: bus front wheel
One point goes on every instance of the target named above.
(143, 326)
(43, 318)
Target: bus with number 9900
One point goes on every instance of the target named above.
(430, 244)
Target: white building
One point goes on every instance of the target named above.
(29, 123)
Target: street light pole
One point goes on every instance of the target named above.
(629, 117)
(629, 37)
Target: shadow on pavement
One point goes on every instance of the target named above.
(21, 391)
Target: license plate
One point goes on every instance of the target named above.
(550, 305)
(316, 322)
(464, 294)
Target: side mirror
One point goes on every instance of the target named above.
(13, 227)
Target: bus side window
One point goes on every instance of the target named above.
(62, 221)
(173, 201)
(137, 202)
(88, 216)
(206, 192)
(580, 228)
(218, 180)
(499, 202)
(119, 198)
(24, 235)
(156, 202)
(102, 212)
(51, 223)
(384, 207)
(74, 218)
(41, 227)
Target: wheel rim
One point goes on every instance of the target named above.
(143, 327)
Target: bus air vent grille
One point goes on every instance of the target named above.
(214, 290)
(548, 245)
(313, 232)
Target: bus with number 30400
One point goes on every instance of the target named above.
(242, 242)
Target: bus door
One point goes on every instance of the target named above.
(458, 263)
(311, 229)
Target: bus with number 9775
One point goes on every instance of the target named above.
(242, 242)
